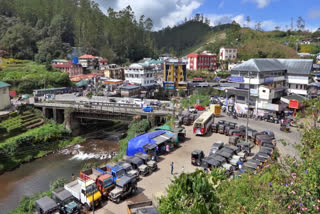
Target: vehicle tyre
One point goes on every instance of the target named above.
(87, 207)
(117, 201)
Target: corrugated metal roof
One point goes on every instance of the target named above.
(297, 66)
(260, 65)
(4, 84)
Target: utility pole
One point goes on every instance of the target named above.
(248, 108)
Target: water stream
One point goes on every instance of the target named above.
(37, 175)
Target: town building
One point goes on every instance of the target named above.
(142, 74)
(265, 78)
(102, 63)
(198, 61)
(130, 91)
(175, 73)
(88, 62)
(68, 67)
(297, 75)
(228, 53)
(114, 71)
(4, 95)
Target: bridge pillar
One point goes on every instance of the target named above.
(44, 112)
(152, 120)
(72, 123)
(54, 110)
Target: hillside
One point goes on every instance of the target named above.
(43, 30)
(194, 36)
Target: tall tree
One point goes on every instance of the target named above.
(301, 23)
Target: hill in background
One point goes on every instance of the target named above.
(194, 36)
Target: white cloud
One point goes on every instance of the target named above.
(162, 12)
(260, 3)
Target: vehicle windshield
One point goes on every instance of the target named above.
(68, 200)
(197, 125)
(129, 168)
(91, 189)
(108, 182)
(120, 173)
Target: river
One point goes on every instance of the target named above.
(37, 175)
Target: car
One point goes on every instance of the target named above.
(138, 102)
(147, 109)
(270, 118)
(123, 101)
(200, 107)
(191, 109)
(155, 103)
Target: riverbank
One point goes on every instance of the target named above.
(34, 144)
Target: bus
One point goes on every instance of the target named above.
(203, 124)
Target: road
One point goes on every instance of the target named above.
(155, 185)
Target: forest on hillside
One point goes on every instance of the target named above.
(43, 30)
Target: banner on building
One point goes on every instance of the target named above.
(236, 79)
(269, 106)
(241, 108)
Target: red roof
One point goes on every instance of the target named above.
(201, 54)
(86, 56)
(103, 61)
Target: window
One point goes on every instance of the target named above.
(241, 98)
(296, 86)
(289, 85)
(301, 86)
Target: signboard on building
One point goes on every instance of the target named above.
(254, 92)
(294, 104)
(268, 79)
(269, 106)
(236, 79)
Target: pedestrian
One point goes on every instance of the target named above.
(171, 168)
(167, 148)
(73, 177)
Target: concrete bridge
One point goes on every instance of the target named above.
(72, 113)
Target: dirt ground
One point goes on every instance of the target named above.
(154, 185)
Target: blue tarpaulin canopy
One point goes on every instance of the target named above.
(136, 144)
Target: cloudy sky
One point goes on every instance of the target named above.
(270, 13)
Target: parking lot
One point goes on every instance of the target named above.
(155, 184)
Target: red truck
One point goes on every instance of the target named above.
(103, 181)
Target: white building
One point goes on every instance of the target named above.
(4, 95)
(266, 83)
(141, 74)
(228, 53)
(298, 75)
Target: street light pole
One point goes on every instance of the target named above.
(248, 108)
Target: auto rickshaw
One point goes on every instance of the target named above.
(264, 160)
(232, 125)
(266, 150)
(221, 128)
(227, 130)
(196, 157)
(215, 128)
(221, 122)
(268, 144)
(245, 147)
(235, 132)
(285, 126)
(250, 166)
(235, 149)
(263, 137)
(209, 163)
(233, 140)
(258, 162)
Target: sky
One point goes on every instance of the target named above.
(270, 13)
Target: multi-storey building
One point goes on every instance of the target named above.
(228, 53)
(114, 71)
(198, 61)
(266, 80)
(175, 72)
(69, 67)
(140, 74)
(298, 75)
